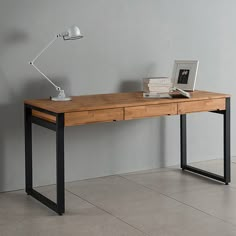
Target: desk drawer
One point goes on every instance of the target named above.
(86, 117)
(150, 111)
(204, 105)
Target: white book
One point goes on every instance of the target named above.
(157, 85)
(157, 80)
(157, 88)
(156, 95)
(156, 91)
(156, 77)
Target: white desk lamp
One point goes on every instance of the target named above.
(71, 34)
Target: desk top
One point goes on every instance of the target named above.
(115, 100)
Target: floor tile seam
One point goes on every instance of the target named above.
(90, 179)
(207, 213)
(151, 172)
(183, 203)
(157, 191)
(104, 210)
(186, 173)
(196, 189)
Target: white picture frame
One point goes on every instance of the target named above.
(185, 74)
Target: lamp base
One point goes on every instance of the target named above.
(61, 99)
(61, 96)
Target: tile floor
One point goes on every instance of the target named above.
(165, 202)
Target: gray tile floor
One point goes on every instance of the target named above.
(157, 202)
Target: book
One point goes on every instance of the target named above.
(161, 87)
(156, 95)
(156, 90)
(157, 85)
(164, 89)
(174, 93)
(158, 80)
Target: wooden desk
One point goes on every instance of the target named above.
(116, 107)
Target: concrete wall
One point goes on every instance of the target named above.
(125, 40)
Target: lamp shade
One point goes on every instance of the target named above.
(72, 33)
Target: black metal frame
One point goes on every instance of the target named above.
(183, 146)
(58, 127)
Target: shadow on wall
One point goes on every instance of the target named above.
(12, 106)
(10, 112)
(14, 36)
(130, 86)
(12, 120)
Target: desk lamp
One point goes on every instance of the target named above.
(71, 34)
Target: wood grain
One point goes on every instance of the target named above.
(205, 105)
(86, 117)
(120, 106)
(116, 100)
(44, 116)
(150, 111)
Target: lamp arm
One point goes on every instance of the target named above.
(56, 87)
(44, 49)
(38, 55)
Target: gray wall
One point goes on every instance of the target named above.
(125, 40)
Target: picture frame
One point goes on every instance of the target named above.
(185, 74)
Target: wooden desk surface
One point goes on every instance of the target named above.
(115, 100)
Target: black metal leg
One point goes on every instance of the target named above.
(227, 142)
(28, 150)
(60, 163)
(183, 147)
(58, 207)
(183, 141)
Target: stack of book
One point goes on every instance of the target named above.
(156, 87)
